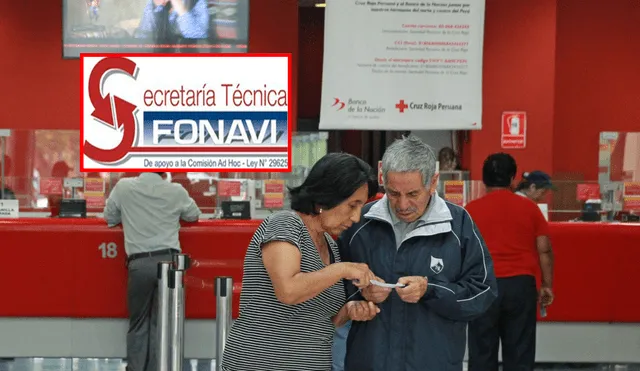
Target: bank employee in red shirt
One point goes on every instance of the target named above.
(515, 232)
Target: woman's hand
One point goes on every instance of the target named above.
(361, 310)
(359, 273)
(375, 293)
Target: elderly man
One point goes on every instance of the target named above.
(433, 255)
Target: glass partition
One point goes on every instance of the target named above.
(619, 173)
(566, 203)
(38, 161)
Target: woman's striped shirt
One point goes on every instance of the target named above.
(269, 335)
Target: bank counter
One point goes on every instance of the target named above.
(75, 268)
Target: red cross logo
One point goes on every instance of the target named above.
(401, 106)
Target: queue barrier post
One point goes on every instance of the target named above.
(224, 298)
(181, 263)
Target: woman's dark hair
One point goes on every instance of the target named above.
(333, 179)
(498, 170)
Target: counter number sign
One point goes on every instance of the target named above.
(109, 250)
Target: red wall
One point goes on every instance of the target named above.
(39, 89)
(518, 75)
(311, 48)
(597, 79)
(572, 65)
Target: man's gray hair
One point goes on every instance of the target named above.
(409, 154)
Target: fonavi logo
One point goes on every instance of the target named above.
(147, 112)
(111, 110)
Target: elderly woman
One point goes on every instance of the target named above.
(293, 294)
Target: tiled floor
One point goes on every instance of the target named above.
(95, 364)
(86, 364)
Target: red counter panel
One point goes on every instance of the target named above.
(217, 241)
(76, 268)
(581, 280)
(35, 270)
(97, 266)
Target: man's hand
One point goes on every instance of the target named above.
(415, 288)
(545, 296)
(362, 310)
(375, 293)
(178, 6)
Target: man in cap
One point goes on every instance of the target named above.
(535, 185)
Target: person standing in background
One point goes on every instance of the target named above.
(150, 210)
(535, 185)
(448, 159)
(7, 193)
(60, 170)
(169, 21)
(339, 350)
(516, 234)
(94, 10)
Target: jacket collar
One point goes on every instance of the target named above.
(437, 219)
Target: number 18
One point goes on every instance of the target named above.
(109, 250)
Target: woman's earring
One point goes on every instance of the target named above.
(320, 211)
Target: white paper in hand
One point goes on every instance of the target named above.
(388, 285)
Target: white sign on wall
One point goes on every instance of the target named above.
(403, 65)
(9, 209)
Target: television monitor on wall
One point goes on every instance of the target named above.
(154, 26)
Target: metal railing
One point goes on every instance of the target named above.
(224, 297)
(171, 313)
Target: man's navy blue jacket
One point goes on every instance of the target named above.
(447, 248)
